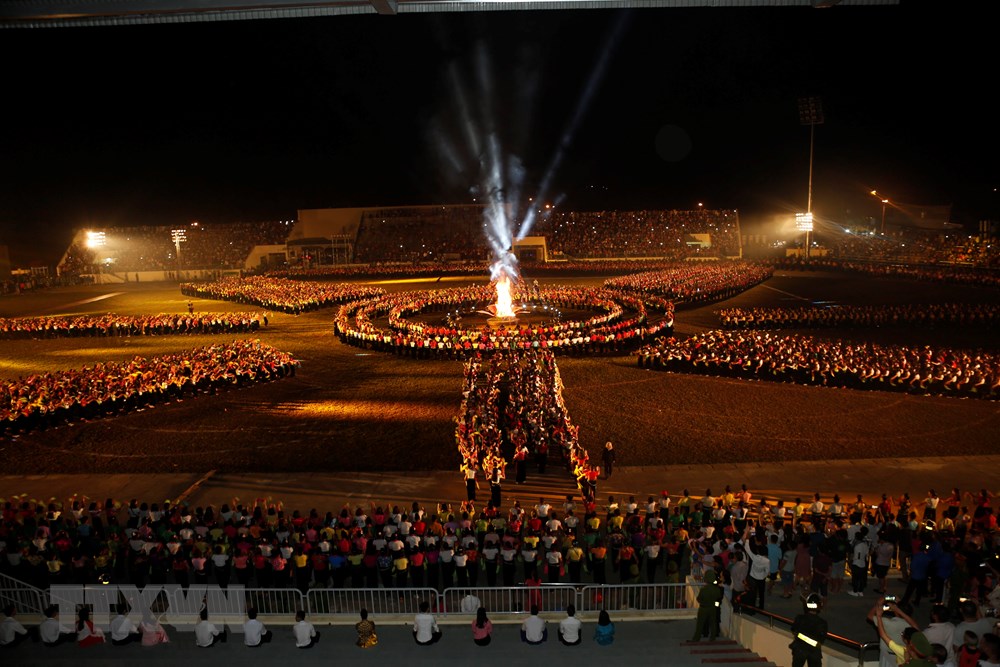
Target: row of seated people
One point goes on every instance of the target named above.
(806, 360)
(51, 399)
(282, 294)
(113, 325)
(686, 282)
(921, 315)
(979, 277)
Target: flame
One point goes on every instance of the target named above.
(504, 306)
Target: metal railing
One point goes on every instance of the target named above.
(25, 597)
(513, 599)
(350, 601)
(858, 648)
(273, 604)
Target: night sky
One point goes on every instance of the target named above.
(253, 120)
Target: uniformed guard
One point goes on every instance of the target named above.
(808, 632)
(709, 599)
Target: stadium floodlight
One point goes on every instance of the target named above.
(804, 222)
(885, 202)
(96, 239)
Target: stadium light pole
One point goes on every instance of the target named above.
(178, 236)
(811, 114)
(885, 202)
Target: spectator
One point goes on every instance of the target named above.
(12, 632)
(482, 628)
(569, 627)
(254, 632)
(367, 637)
(123, 630)
(425, 627)
(533, 629)
(604, 631)
(206, 634)
(305, 634)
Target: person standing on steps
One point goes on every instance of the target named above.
(609, 459)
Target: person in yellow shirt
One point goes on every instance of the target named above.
(574, 559)
(598, 557)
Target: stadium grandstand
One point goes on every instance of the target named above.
(387, 235)
(342, 239)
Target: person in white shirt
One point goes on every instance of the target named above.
(533, 630)
(51, 632)
(254, 632)
(205, 633)
(470, 604)
(569, 627)
(425, 627)
(12, 632)
(123, 630)
(305, 634)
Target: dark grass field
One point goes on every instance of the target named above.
(349, 409)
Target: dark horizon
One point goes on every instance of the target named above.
(222, 122)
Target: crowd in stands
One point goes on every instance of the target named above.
(920, 315)
(50, 399)
(639, 233)
(978, 277)
(420, 234)
(282, 294)
(112, 325)
(915, 246)
(806, 360)
(611, 330)
(512, 410)
(686, 282)
(206, 246)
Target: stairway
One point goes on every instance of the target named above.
(722, 652)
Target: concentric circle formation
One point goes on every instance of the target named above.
(391, 322)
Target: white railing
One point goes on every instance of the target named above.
(637, 598)
(350, 601)
(512, 599)
(26, 598)
(181, 606)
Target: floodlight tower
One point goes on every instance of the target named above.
(811, 114)
(178, 236)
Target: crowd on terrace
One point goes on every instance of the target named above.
(914, 246)
(45, 400)
(806, 360)
(944, 547)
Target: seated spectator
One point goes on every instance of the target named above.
(87, 634)
(533, 629)
(425, 627)
(51, 632)
(305, 634)
(482, 628)
(569, 627)
(604, 632)
(12, 632)
(206, 634)
(366, 631)
(123, 630)
(254, 632)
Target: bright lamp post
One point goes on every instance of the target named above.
(811, 114)
(178, 236)
(885, 202)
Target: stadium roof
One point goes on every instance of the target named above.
(78, 13)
